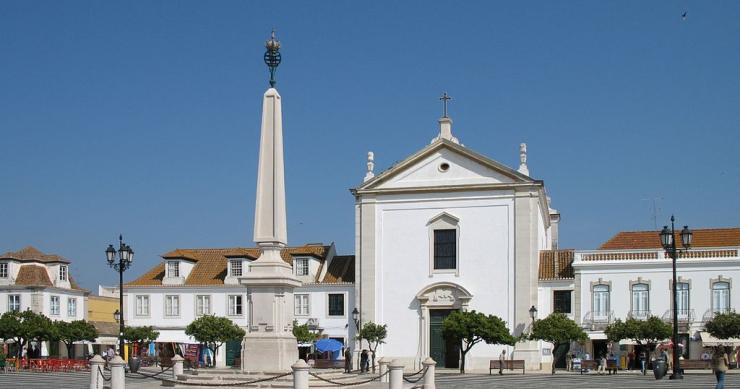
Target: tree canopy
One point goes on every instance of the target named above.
(140, 335)
(724, 325)
(25, 327)
(214, 331)
(468, 328)
(375, 335)
(74, 331)
(650, 331)
(559, 330)
(302, 333)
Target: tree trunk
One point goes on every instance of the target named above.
(69, 350)
(462, 361)
(372, 354)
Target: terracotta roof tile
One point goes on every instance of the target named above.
(341, 269)
(556, 265)
(33, 275)
(707, 237)
(211, 264)
(30, 253)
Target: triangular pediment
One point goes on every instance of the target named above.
(444, 163)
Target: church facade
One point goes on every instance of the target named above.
(449, 229)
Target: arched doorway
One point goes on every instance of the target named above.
(436, 302)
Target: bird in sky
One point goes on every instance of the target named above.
(684, 15)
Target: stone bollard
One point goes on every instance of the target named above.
(382, 368)
(300, 374)
(395, 378)
(177, 366)
(96, 365)
(429, 364)
(117, 373)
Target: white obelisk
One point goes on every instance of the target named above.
(269, 345)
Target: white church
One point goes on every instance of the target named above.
(449, 229)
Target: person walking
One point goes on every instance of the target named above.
(568, 361)
(364, 361)
(602, 365)
(501, 362)
(643, 362)
(720, 364)
(348, 360)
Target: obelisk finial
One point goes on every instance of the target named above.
(272, 56)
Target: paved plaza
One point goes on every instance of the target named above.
(528, 381)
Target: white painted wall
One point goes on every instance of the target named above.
(333, 326)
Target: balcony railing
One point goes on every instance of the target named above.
(597, 321)
(710, 313)
(638, 314)
(684, 316)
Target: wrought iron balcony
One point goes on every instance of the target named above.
(684, 316)
(597, 321)
(710, 313)
(639, 314)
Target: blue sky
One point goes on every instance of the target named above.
(142, 118)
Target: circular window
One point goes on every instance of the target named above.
(444, 166)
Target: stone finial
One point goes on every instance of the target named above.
(523, 159)
(370, 165)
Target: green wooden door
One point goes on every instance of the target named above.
(446, 353)
(233, 351)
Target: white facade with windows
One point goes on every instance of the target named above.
(30, 279)
(195, 282)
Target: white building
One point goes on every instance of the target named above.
(30, 279)
(189, 283)
(449, 229)
(631, 276)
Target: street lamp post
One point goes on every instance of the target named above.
(667, 239)
(356, 319)
(120, 264)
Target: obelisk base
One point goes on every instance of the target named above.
(269, 353)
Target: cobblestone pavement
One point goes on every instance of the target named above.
(586, 381)
(473, 381)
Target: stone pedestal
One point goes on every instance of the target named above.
(269, 344)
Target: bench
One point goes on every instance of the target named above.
(511, 364)
(611, 366)
(588, 364)
(695, 364)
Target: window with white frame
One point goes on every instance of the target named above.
(173, 268)
(14, 303)
(445, 249)
(54, 305)
(3, 270)
(71, 307)
(235, 267)
(301, 266)
(172, 305)
(336, 304)
(63, 272)
(142, 305)
(600, 300)
(640, 300)
(301, 305)
(721, 297)
(202, 305)
(682, 299)
(235, 305)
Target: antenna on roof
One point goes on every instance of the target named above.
(654, 209)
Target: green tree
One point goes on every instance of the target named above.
(724, 325)
(214, 331)
(375, 335)
(559, 330)
(74, 331)
(468, 328)
(648, 332)
(24, 328)
(140, 335)
(302, 333)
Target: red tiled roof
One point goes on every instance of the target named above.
(556, 265)
(706, 237)
(211, 264)
(32, 254)
(33, 275)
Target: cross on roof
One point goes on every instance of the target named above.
(444, 99)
